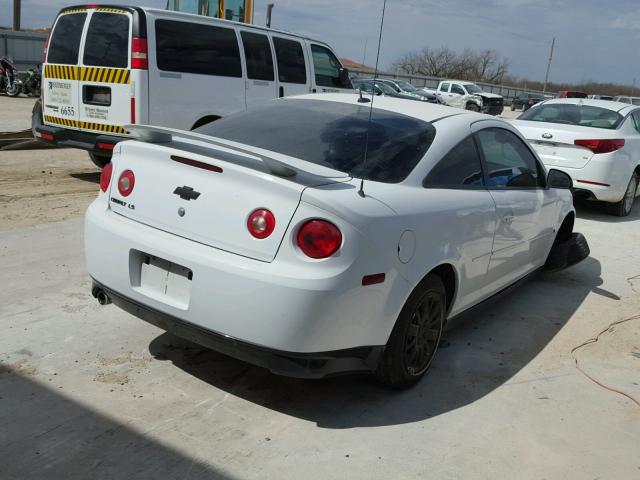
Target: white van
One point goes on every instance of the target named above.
(105, 67)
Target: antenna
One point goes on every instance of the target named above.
(375, 76)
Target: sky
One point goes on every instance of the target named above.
(595, 40)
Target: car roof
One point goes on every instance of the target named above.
(608, 104)
(428, 112)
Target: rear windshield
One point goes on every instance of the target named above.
(332, 134)
(569, 114)
(65, 40)
(107, 43)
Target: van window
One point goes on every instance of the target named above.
(195, 48)
(65, 40)
(107, 42)
(258, 54)
(291, 67)
(326, 66)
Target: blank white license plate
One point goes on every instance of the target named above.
(165, 281)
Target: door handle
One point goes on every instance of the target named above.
(281, 92)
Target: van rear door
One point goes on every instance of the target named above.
(60, 91)
(105, 85)
(259, 65)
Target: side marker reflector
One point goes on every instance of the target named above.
(373, 279)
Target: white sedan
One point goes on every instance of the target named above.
(596, 142)
(316, 235)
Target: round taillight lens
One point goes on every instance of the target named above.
(319, 238)
(261, 223)
(105, 176)
(126, 183)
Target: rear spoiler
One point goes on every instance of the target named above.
(288, 168)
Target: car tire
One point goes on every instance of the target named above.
(415, 337)
(513, 107)
(624, 206)
(472, 107)
(99, 160)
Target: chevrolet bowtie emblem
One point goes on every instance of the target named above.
(186, 193)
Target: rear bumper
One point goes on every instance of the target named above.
(301, 365)
(67, 137)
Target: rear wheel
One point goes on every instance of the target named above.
(99, 160)
(513, 106)
(624, 206)
(415, 337)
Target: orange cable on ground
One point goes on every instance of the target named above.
(594, 340)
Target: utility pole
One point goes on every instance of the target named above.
(364, 53)
(269, 10)
(546, 77)
(16, 15)
(633, 89)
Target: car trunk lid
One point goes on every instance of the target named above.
(191, 188)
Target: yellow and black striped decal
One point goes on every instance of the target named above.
(88, 74)
(99, 9)
(67, 122)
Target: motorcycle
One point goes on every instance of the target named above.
(9, 83)
(31, 85)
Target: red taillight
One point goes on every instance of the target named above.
(139, 53)
(261, 223)
(601, 146)
(47, 136)
(530, 102)
(105, 146)
(319, 239)
(126, 182)
(46, 47)
(105, 177)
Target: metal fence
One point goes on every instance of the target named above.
(508, 92)
(25, 48)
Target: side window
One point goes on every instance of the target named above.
(457, 89)
(444, 87)
(291, 67)
(636, 120)
(508, 161)
(366, 87)
(107, 42)
(65, 40)
(257, 52)
(460, 168)
(196, 48)
(326, 66)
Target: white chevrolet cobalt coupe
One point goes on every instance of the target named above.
(317, 235)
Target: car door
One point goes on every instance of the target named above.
(516, 182)
(326, 75)
(443, 93)
(293, 74)
(466, 219)
(260, 82)
(458, 95)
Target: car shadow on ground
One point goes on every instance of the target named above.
(599, 211)
(46, 435)
(92, 177)
(477, 357)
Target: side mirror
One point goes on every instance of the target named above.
(345, 81)
(559, 179)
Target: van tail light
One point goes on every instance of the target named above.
(46, 47)
(139, 53)
(261, 223)
(319, 238)
(105, 146)
(105, 176)
(126, 183)
(601, 146)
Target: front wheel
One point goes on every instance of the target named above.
(415, 336)
(99, 160)
(473, 107)
(14, 89)
(624, 206)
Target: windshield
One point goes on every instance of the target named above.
(386, 89)
(332, 134)
(571, 114)
(472, 88)
(406, 86)
(635, 101)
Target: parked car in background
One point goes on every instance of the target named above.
(525, 101)
(627, 99)
(353, 263)
(600, 97)
(110, 66)
(406, 88)
(372, 87)
(469, 96)
(596, 142)
(571, 94)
